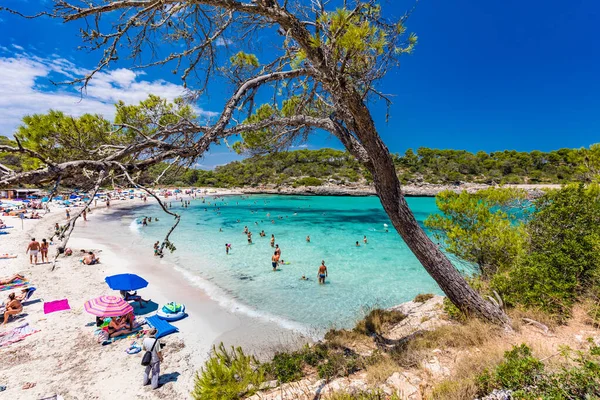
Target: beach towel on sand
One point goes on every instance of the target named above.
(15, 284)
(16, 335)
(58, 305)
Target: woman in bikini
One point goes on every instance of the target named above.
(44, 250)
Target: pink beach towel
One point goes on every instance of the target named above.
(58, 305)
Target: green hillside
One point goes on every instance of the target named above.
(316, 167)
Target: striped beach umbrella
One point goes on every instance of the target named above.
(108, 306)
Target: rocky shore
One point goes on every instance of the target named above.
(418, 190)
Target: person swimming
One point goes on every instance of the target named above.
(357, 244)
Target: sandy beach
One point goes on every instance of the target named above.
(63, 357)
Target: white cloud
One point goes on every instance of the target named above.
(223, 42)
(16, 46)
(26, 88)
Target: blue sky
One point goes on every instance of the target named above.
(485, 75)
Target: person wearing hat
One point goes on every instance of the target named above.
(152, 372)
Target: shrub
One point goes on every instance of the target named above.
(518, 370)
(308, 181)
(423, 297)
(577, 378)
(286, 367)
(563, 261)
(227, 375)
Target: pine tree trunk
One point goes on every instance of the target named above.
(388, 189)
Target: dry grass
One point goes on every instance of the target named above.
(343, 338)
(377, 320)
(461, 385)
(517, 314)
(379, 372)
(473, 333)
(423, 297)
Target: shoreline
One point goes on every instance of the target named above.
(421, 190)
(64, 357)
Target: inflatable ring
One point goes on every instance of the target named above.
(172, 316)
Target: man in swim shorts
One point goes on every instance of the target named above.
(33, 249)
(275, 261)
(322, 274)
(272, 240)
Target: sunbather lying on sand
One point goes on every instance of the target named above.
(13, 307)
(90, 259)
(6, 281)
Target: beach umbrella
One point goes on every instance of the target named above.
(107, 306)
(126, 282)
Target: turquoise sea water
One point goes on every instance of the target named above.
(381, 273)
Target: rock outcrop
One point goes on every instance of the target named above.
(415, 190)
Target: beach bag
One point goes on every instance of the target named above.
(147, 359)
(171, 308)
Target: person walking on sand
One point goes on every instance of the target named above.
(44, 251)
(33, 248)
(68, 214)
(152, 371)
(322, 274)
(272, 240)
(84, 214)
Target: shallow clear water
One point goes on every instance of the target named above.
(381, 273)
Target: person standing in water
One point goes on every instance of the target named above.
(307, 239)
(322, 274)
(272, 240)
(249, 237)
(277, 251)
(365, 239)
(275, 260)
(227, 248)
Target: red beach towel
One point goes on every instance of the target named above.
(58, 305)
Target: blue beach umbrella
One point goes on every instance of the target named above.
(126, 282)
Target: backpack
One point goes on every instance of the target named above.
(147, 359)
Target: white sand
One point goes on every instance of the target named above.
(64, 357)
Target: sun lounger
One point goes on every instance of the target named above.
(163, 327)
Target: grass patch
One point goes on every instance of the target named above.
(379, 372)
(377, 320)
(423, 297)
(366, 395)
(473, 333)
